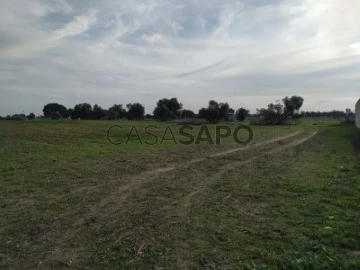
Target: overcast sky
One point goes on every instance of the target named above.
(248, 53)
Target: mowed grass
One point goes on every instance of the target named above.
(69, 199)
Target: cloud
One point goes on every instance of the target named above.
(79, 25)
(235, 51)
(155, 39)
(42, 8)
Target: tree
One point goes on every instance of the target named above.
(186, 114)
(224, 109)
(278, 114)
(98, 112)
(163, 113)
(135, 111)
(167, 109)
(51, 108)
(31, 116)
(210, 114)
(241, 114)
(172, 104)
(82, 111)
(274, 114)
(55, 116)
(215, 112)
(292, 105)
(116, 111)
(112, 115)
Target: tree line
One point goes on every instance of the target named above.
(166, 109)
(84, 111)
(333, 113)
(278, 113)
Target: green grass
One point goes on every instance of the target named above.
(299, 211)
(71, 200)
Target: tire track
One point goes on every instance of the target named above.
(184, 203)
(151, 173)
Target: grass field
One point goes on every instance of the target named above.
(69, 199)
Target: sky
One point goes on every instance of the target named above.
(244, 52)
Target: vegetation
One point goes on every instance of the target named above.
(115, 112)
(279, 114)
(99, 113)
(241, 114)
(185, 114)
(81, 111)
(215, 112)
(167, 109)
(31, 116)
(170, 109)
(55, 109)
(136, 111)
(71, 200)
(334, 113)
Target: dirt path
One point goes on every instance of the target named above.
(149, 175)
(133, 180)
(184, 203)
(252, 145)
(223, 153)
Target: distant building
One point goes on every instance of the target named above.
(357, 114)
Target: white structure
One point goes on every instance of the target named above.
(357, 114)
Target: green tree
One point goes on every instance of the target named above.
(186, 114)
(135, 111)
(215, 112)
(31, 116)
(82, 111)
(163, 113)
(241, 114)
(167, 109)
(292, 105)
(98, 112)
(224, 109)
(279, 114)
(116, 111)
(55, 116)
(112, 115)
(51, 108)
